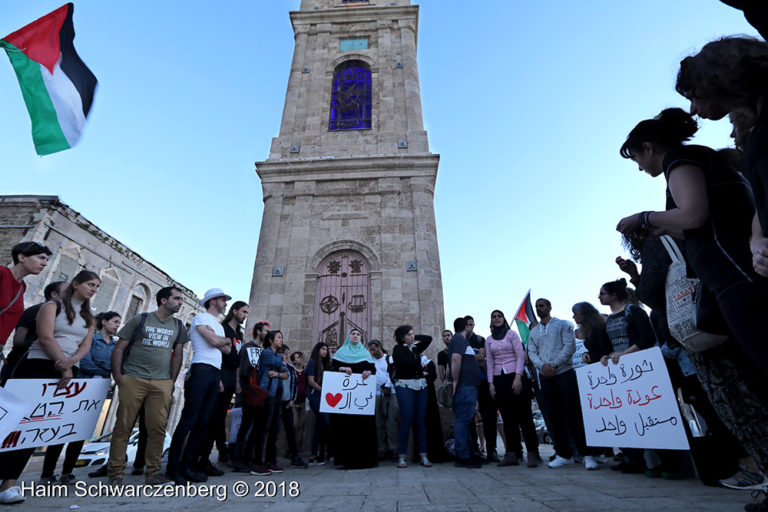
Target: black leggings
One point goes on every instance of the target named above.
(52, 454)
(516, 413)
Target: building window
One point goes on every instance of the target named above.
(134, 306)
(351, 97)
(360, 43)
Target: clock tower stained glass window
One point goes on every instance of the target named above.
(351, 97)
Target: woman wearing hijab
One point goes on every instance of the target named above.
(354, 436)
(505, 360)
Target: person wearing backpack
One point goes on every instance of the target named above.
(145, 364)
(249, 365)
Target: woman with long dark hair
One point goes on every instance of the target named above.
(592, 324)
(271, 372)
(710, 206)
(353, 436)
(411, 391)
(64, 332)
(319, 362)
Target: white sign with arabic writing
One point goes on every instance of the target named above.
(631, 404)
(344, 394)
(55, 416)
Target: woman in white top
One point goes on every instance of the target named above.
(64, 332)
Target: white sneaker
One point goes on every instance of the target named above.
(560, 461)
(11, 495)
(590, 462)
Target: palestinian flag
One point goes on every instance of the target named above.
(525, 317)
(57, 87)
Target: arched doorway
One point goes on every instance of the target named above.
(342, 298)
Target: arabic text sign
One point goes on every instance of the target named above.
(631, 404)
(348, 395)
(55, 416)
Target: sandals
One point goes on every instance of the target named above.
(425, 462)
(401, 463)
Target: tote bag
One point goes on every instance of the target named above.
(681, 304)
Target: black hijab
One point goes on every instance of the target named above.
(499, 332)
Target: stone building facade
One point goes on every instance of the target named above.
(128, 281)
(348, 236)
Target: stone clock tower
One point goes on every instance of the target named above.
(348, 235)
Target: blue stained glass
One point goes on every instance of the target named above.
(351, 97)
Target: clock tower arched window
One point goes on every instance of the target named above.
(351, 96)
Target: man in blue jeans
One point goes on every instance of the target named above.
(465, 374)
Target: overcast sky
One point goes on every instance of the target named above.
(527, 104)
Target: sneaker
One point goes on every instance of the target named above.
(116, 481)
(68, 479)
(241, 467)
(316, 461)
(11, 495)
(137, 470)
(298, 462)
(560, 461)
(274, 468)
(590, 462)
(745, 480)
(493, 457)
(601, 459)
(157, 479)
(47, 480)
(176, 477)
(653, 472)
(510, 459)
(209, 469)
(260, 471)
(466, 463)
(102, 471)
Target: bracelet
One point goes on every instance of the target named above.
(645, 221)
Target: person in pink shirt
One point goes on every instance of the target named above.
(505, 360)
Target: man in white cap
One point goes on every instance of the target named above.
(200, 390)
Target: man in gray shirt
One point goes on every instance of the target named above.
(145, 364)
(550, 347)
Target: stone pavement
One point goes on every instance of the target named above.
(442, 488)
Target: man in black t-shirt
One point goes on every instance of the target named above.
(443, 357)
(26, 330)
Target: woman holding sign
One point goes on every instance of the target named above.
(64, 331)
(353, 436)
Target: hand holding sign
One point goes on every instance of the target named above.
(348, 394)
(631, 403)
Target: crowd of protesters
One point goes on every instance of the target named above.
(716, 211)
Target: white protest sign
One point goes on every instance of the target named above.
(12, 410)
(344, 394)
(55, 416)
(631, 404)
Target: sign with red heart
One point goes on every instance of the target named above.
(348, 394)
(333, 399)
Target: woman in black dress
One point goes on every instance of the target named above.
(354, 436)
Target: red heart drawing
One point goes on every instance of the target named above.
(333, 399)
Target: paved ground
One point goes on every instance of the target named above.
(443, 488)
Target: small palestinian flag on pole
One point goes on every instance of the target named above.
(525, 317)
(57, 87)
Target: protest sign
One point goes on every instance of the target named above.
(348, 394)
(577, 355)
(55, 416)
(631, 404)
(12, 410)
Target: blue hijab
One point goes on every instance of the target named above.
(352, 353)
